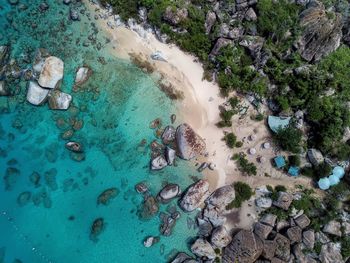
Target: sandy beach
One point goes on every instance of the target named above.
(200, 106)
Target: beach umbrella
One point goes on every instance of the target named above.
(324, 183)
(333, 179)
(339, 171)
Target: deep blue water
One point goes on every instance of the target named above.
(116, 106)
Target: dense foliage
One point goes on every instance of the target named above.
(243, 193)
(289, 139)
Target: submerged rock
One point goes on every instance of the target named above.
(35, 179)
(24, 198)
(141, 188)
(189, 143)
(11, 177)
(50, 179)
(59, 100)
(108, 194)
(149, 208)
(167, 224)
(36, 95)
(39, 60)
(97, 228)
(51, 73)
(3, 89)
(169, 192)
(195, 196)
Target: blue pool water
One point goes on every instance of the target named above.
(116, 106)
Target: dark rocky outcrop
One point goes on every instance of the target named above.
(246, 247)
(322, 31)
(97, 228)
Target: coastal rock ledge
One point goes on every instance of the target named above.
(189, 144)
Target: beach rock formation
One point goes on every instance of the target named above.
(202, 248)
(107, 195)
(221, 197)
(322, 31)
(36, 95)
(182, 258)
(74, 147)
(51, 73)
(284, 200)
(149, 208)
(246, 247)
(170, 155)
(59, 100)
(189, 144)
(169, 192)
(168, 135)
(195, 196)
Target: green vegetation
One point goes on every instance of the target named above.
(230, 140)
(345, 247)
(294, 160)
(243, 193)
(245, 166)
(289, 139)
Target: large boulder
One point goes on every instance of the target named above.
(220, 237)
(246, 247)
(159, 163)
(262, 230)
(195, 196)
(175, 15)
(263, 202)
(214, 215)
(294, 234)
(170, 155)
(282, 247)
(202, 248)
(284, 200)
(210, 20)
(315, 157)
(322, 31)
(302, 221)
(181, 258)
(51, 73)
(330, 253)
(40, 56)
(269, 219)
(309, 239)
(189, 144)
(220, 43)
(83, 74)
(269, 249)
(333, 227)
(221, 197)
(169, 192)
(36, 95)
(59, 100)
(168, 135)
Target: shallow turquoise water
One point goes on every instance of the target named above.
(116, 106)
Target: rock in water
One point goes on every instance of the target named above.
(74, 147)
(82, 75)
(51, 72)
(158, 163)
(59, 100)
(150, 241)
(96, 228)
(36, 95)
(168, 135)
(169, 192)
(170, 155)
(202, 248)
(322, 31)
(149, 208)
(195, 196)
(246, 247)
(189, 143)
(108, 194)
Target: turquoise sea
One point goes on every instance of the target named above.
(53, 220)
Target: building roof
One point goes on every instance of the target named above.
(338, 171)
(276, 123)
(279, 161)
(293, 171)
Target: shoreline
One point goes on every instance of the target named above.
(200, 105)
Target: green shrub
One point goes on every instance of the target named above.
(345, 247)
(243, 193)
(239, 144)
(289, 139)
(230, 140)
(294, 160)
(244, 165)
